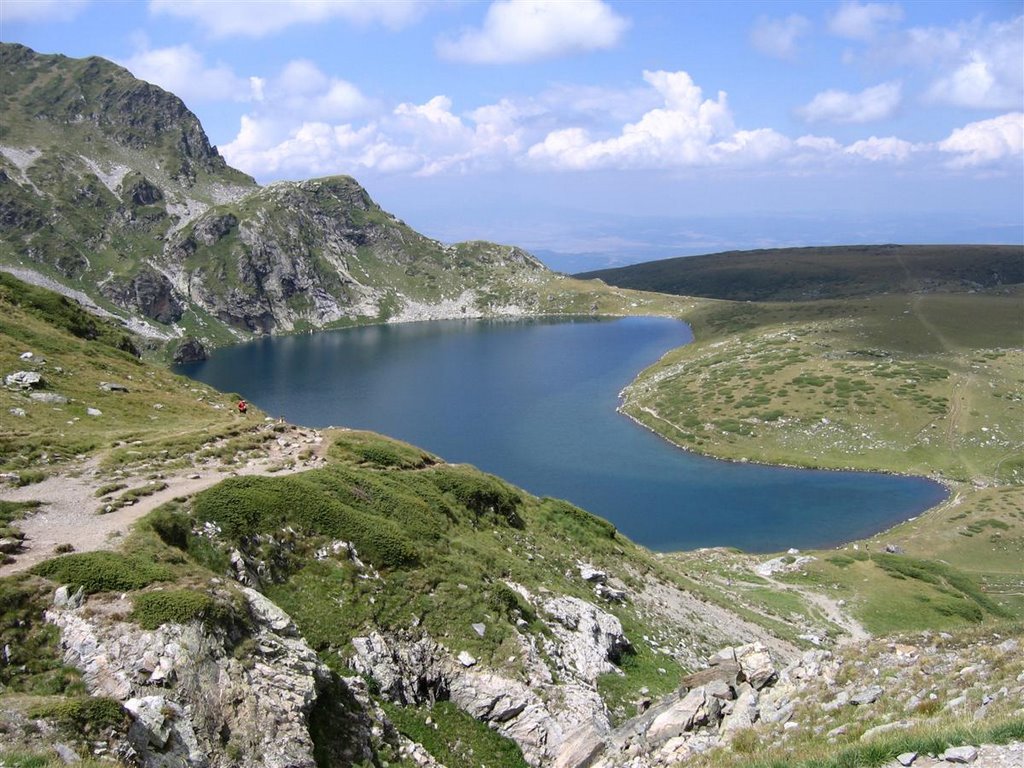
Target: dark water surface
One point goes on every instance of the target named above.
(534, 402)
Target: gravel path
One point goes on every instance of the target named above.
(69, 512)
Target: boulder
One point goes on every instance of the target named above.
(591, 641)
(960, 755)
(23, 380)
(581, 748)
(744, 712)
(867, 695)
(756, 665)
(110, 386)
(48, 397)
(681, 717)
(592, 574)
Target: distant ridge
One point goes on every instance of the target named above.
(803, 274)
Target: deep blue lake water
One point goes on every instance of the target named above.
(534, 402)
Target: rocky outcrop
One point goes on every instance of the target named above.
(148, 292)
(190, 350)
(198, 698)
(548, 720)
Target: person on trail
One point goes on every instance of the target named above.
(242, 407)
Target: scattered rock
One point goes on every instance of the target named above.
(24, 380)
(480, 629)
(906, 759)
(867, 695)
(110, 386)
(26, 356)
(466, 659)
(93, 412)
(48, 397)
(960, 754)
(19, 412)
(592, 574)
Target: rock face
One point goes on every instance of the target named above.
(190, 350)
(196, 701)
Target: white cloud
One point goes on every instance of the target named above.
(862, 21)
(987, 73)
(529, 30)
(259, 18)
(778, 37)
(986, 141)
(182, 71)
(875, 103)
(687, 131)
(40, 10)
(822, 144)
(876, 149)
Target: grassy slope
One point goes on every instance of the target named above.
(920, 383)
(80, 352)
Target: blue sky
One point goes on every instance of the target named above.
(612, 131)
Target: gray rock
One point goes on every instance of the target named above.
(960, 754)
(590, 639)
(679, 718)
(93, 412)
(110, 386)
(26, 356)
(592, 574)
(480, 629)
(756, 665)
(9, 545)
(611, 594)
(878, 730)
(466, 659)
(582, 748)
(744, 712)
(67, 755)
(867, 695)
(906, 759)
(19, 412)
(62, 598)
(24, 380)
(48, 397)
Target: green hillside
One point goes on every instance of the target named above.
(810, 274)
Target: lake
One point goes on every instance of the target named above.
(534, 401)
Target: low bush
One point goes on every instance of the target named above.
(174, 606)
(86, 714)
(102, 571)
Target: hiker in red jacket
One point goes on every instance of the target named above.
(242, 407)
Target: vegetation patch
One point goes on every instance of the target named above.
(454, 738)
(175, 606)
(102, 571)
(83, 714)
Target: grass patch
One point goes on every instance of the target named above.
(175, 606)
(455, 738)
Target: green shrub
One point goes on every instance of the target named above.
(177, 606)
(102, 571)
(85, 714)
(173, 528)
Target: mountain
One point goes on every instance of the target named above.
(801, 274)
(109, 185)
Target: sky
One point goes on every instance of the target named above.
(597, 132)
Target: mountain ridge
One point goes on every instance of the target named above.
(109, 184)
